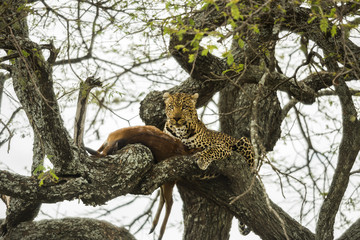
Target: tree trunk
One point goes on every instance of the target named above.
(203, 219)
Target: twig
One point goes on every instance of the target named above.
(7, 128)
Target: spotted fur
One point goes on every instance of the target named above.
(183, 123)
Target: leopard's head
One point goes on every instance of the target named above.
(180, 108)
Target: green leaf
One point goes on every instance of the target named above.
(255, 28)
(239, 67)
(53, 175)
(199, 36)
(39, 168)
(324, 24)
(312, 19)
(41, 175)
(177, 47)
(208, 2)
(25, 53)
(230, 59)
(235, 13)
(241, 43)
(324, 194)
(41, 182)
(232, 23)
(191, 58)
(180, 33)
(192, 22)
(167, 5)
(211, 47)
(333, 30)
(204, 52)
(332, 13)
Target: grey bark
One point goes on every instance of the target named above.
(199, 212)
(352, 232)
(67, 229)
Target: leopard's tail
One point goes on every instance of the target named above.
(243, 229)
(244, 147)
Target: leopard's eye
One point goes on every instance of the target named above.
(170, 106)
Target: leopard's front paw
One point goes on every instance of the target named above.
(203, 164)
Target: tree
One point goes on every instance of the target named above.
(237, 48)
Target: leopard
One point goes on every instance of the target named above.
(183, 123)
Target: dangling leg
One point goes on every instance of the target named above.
(158, 211)
(167, 193)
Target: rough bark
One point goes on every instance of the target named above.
(33, 84)
(353, 232)
(236, 106)
(32, 80)
(133, 172)
(200, 212)
(101, 179)
(69, 228)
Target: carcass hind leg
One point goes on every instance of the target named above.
(167, 193)
(158, 211)
(165, 197)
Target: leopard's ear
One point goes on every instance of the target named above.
(195, 96)
(166, 95)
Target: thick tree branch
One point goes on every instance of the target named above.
(348, 151)
(132, 171)
(353, 232)
(103, 179)
(33, 85)
(306, 90)
(252, 208)
(69, 228)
